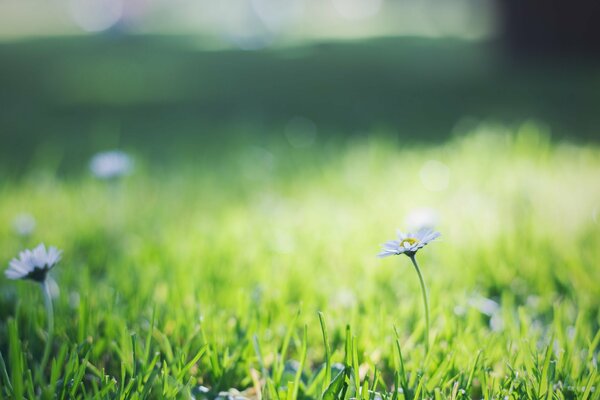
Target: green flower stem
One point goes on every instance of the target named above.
(425, 301)
(50, 319)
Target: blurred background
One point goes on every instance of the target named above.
(80, 76)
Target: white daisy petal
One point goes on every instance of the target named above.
(54, 255)
(421, 233)
(424, 234)
(18, 266)
(12, 274)
(433, 236)
(401, 235)
(392, 244)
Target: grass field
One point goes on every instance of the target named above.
(207, 275)
(202, 274)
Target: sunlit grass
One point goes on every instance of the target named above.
(200, 275)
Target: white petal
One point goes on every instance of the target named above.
(431, 234)
(25, 256)
(385, 254)
(54, 256)
(422, 233)
(401, 236)
(392, 245)
(40, 250)
(19, 267)
(39, 256)
(434, 235)
(12, 274)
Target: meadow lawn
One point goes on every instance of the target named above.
(208, 275)
(239, 257)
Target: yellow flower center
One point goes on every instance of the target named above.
(408, 242)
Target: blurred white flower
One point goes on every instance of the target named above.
(486, 306)
(24, 224)
(408, 243)
(421, 218)
(111, 164)
(490, 308)
(33, 264)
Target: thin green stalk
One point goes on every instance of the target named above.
(50, 320)
(425, 301)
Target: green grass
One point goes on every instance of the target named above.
(254, 269)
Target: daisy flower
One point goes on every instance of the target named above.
(408, 243)
(33, 264)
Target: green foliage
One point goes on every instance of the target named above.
(254, 274)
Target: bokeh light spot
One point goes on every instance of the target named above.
(423, 217)
(435, 176)
(357, 9)
(96, 15)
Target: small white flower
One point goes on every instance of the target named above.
(408, 243)
(111, 164)
(33, 264)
